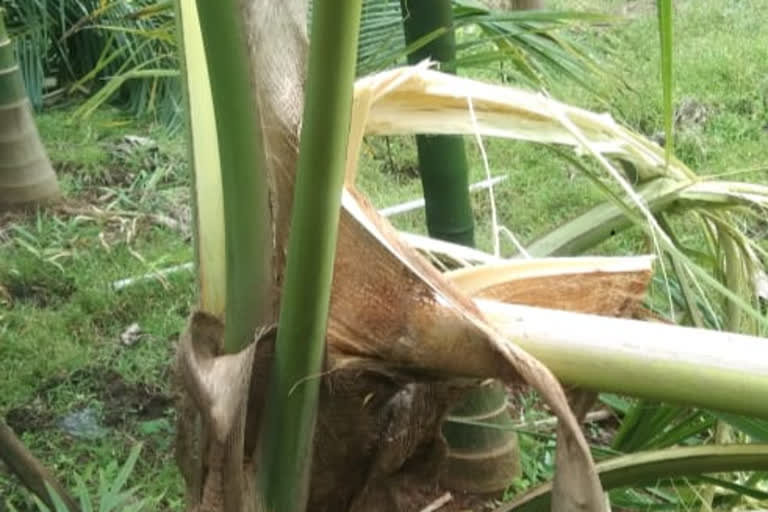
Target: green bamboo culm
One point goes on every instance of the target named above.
(26, 175)
(247, 229)
(664, 8)
(442, 159)
(300, 345)
(480, 459)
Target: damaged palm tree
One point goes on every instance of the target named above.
(403, 340)
(385, 319)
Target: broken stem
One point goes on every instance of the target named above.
(31, 471)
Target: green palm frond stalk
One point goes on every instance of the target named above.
(247, 230)
(664, 8)
(650, 467)
(26, 175)
(203, 151)
(300, 345)
(640, 358)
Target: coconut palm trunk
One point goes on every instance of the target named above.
(26, 175)
(480, 459)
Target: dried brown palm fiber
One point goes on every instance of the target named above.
(607, 286)
(398, 309)
(377, 437)
(398, 312)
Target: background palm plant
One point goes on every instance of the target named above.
(124, 52)
(120, 51)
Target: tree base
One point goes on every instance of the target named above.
(378, 445)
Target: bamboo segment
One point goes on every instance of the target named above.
(479, 459)
(442, 158)
(26, 175)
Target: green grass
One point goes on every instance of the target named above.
(60, 320)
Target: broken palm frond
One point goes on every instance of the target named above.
(418, 99)
(655, 360)
(398, 311)
(645, 359)
(599, 285)
(650, 467)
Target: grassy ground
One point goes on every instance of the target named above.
(61, 319)
(126, 214)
